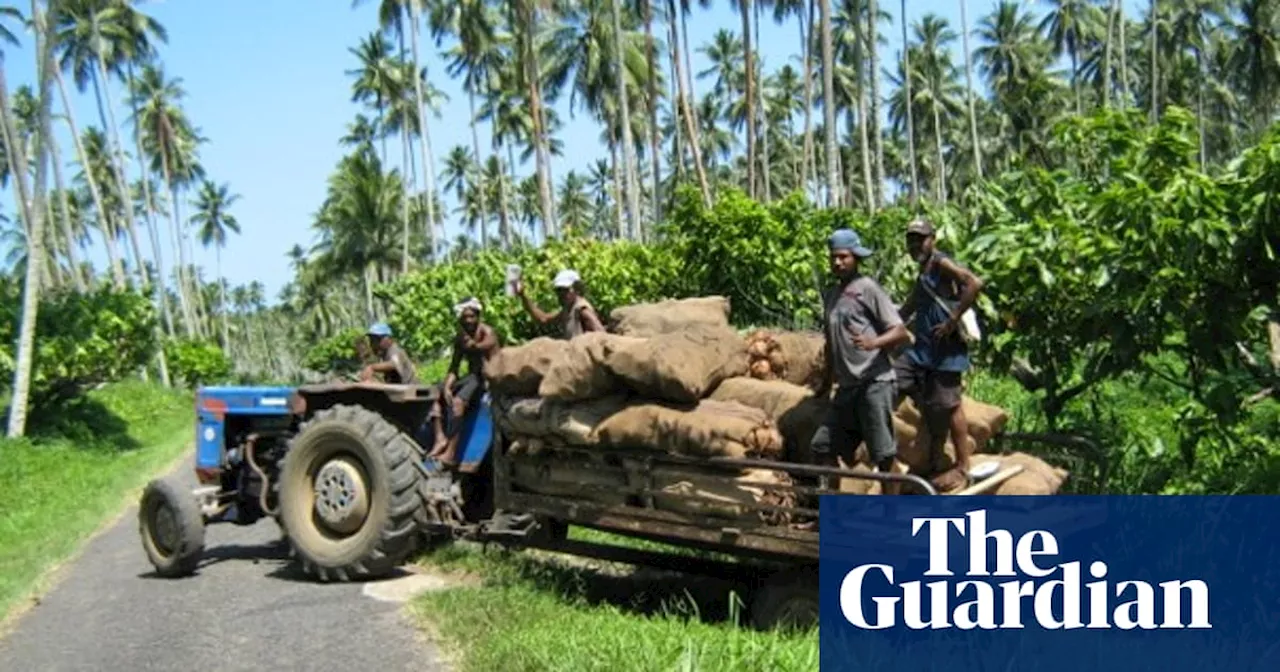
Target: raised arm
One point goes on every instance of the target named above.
(540, 316)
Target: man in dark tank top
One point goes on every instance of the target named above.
(475, 342)
(930, 370)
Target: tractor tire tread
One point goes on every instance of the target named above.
(395, 540)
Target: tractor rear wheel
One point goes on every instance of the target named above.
(349, 495)
(171, 527)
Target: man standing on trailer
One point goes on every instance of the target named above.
(930, 370)
(861, 326)
(576, 315)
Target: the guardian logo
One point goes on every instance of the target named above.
(1053, 603)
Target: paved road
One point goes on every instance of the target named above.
(246, 609)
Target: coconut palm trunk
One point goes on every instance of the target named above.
(690, 121)
(628, 143)
(32, 213)
(911, 131)
(65, 205)
(651, 101)
(806, 52)
(118, 165)
(748, 93)
(81, 156)
(873, 38)
(1155, 61)
(828, 104)
(149, 203)
(428, 172)
(968, 78)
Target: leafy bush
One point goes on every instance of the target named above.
(81, 339)
(197, 362)
(341, 355)
(615, 274)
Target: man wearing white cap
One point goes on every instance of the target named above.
(474, 343)
(576, 315)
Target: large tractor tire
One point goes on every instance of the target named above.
(349, 495)
(788, 600)
(171, 527)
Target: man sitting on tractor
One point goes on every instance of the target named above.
(394, 363)
(475, 342)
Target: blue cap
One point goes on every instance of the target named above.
(847, 239)
(379, 329)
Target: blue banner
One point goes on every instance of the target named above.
(1069, 583)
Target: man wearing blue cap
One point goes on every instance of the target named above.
(861, 325)
(395, 365)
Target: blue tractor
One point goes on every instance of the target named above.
(341, 468)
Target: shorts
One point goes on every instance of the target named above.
(466, 389)
(929, 389)
(862, 414)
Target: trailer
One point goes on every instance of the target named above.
(343, 469)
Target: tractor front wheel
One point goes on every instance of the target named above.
(171, 527)
(349, 498)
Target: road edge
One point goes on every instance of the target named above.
(53, 575)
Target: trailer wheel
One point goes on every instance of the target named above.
(787, 600)
(171, 527)
(349, 500)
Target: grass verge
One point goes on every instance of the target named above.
(534, 612)
(75, 469)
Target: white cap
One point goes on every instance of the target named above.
(566, 278)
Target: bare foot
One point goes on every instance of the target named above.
(951, 479)
(439, 448)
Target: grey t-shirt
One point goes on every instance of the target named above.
(405, 373)
(860, 307)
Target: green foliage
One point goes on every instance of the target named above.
(81, 339)
(1093, 272)
(615, 274)
(341, 355)
(75, 468)
(197, 362)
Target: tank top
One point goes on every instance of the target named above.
(571, 318)
(949, 353)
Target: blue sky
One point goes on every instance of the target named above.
(265, 81)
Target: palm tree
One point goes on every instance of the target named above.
(212, 221)
(828, 103)
(969, 95)
(33, 215)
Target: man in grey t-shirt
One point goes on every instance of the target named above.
(861, 325)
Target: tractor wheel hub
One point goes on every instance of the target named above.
(342, 499)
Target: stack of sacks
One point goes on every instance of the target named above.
(644, 390)
(664, 317)
(797, 357)
(798, 413)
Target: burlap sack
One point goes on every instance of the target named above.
(562, 476)
(680, 367)
(579, 372)
(800, 357)
(570, 422)
(984, 420)
(794, 409)
(518, 370)
(665, 317)
(717, 494)
(866, 486)
(711, 429)
(1037, 478)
